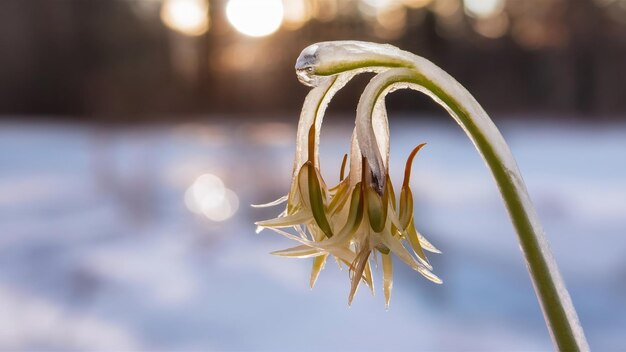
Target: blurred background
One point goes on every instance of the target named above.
(135, 134)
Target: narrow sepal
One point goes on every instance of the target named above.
(298, 218)
(409, 165)
(355, 214)
(387, 277)
(318, 208)
(415, 242)
(271, 204)
(356, 271)
(301, 251)
(375, 210)
(318, 265)
(406, 207)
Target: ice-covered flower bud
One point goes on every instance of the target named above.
(359, 217)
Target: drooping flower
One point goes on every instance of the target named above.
(359, 218)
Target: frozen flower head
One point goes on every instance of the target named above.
(359, 219)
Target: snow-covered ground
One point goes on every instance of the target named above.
(99, 250)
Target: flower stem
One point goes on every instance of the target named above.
(558, 310)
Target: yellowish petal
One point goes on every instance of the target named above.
(340, 251)
(298, 218)
(310, 186)
(415, 242)
(368, 278)
(398, 249)
(339, 199)
(343, 167)
(376, 209)
(357, 268)
(318, 265)
(271, 204)
(406, 207)
(427, 245)
(355, 214)
(392, 194)
(301, 251)
(409, 165)
(387, 277)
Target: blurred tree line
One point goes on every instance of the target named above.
(116, 60)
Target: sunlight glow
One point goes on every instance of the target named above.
(483, 8)
(492, 27)
(391, 22)
(416, 4)
(296, 14)
(255, 18)
(190, 17)
(209, 197)
(378, 4)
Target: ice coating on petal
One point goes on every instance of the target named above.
(305, 65)
(429, 72)
(348, 58)
(372, 134)
(313, 103)
(313, 110)
(355, 160)
(331, 58)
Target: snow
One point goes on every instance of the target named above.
(99, 252)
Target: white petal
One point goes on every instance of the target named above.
(271, 204)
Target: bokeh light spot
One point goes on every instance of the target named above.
(391, 22)
(255, 18)
(378, 4)
(190, 17)
(208, 196)
(483, 8)
(296, 14)
(492, 27)
(416, 4)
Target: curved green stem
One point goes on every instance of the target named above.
(559, 312)
(401, 69)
